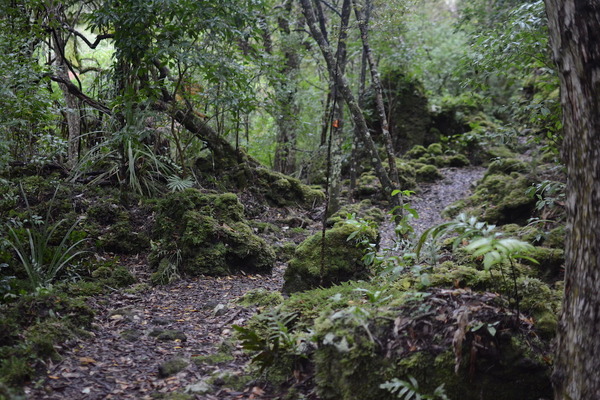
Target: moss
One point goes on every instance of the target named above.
(168, 335)
(131, 335)
(367, 185)
(206, 234)
(261, 298)
(428, 173)
(15, 371)
(363, 209)
(435, 149)
(123, 239)
(556, 237)
(406, 175)
(506, 166)
(172, 366)
(230, 379)
(342, 259)
(498, 199)
(212, 359)
(43, 336)
(416, 152)
(458, 160)
(550, 262)
(285, 251)
(283, 190)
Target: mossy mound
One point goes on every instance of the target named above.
(363, 210)
(351, 364)
(283, 190)
(498, 199)
(506, 166)
(367, 186)
(428, 173)
(33, 328)
(206, 234)
(342, 259)
(367, 334)
(435, 154)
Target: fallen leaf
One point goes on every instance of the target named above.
(87, 360)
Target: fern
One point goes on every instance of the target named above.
(409, 390)
(178, 184)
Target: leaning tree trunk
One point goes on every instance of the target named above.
(357, 115)
(575, 38)
(363, 25)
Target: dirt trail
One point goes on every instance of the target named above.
(434, 197)
(135, 333)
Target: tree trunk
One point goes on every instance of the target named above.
(344, 88)
(71, 111)
(385, 129)
(286, 87)
(575, 38)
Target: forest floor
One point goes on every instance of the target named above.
(135, 334)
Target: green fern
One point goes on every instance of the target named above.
(409, 390)
(178, 184)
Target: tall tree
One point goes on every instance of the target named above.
(343, 86)
(575, 39)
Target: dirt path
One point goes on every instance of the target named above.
(434, 197)
(135, 334)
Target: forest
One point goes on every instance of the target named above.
(299, 199)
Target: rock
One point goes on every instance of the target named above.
(131, 335)
(343, 259)
(168, 335)
(201, 233)
(171, 367)
(200, 387)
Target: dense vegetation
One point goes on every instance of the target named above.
(213, 138)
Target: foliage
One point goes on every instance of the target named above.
(550, 196)
(42, 260)
(273, 342)
(409, 390)
(485, 242)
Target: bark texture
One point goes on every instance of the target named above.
(575, 38)
(344, 88)
(375, 78)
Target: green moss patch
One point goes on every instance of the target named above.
(342, 259)
(207, 234)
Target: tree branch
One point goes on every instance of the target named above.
(74, 90)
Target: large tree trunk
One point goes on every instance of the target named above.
(357, 115)
(575, 37)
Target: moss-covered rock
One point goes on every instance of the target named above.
(363, 210)
(342, 259)
(172, 366)
(506, 166)
(207, 234)
(261, 298)
(458, 160)
(367, 185)
(416, 152)
(428, 173)
(556, 237)
(498, 199)
(283, 190)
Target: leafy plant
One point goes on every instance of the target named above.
(177, 184)
(550, 196)
(41, 260)
(409, 390)
(485, 242)
(270, 344)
